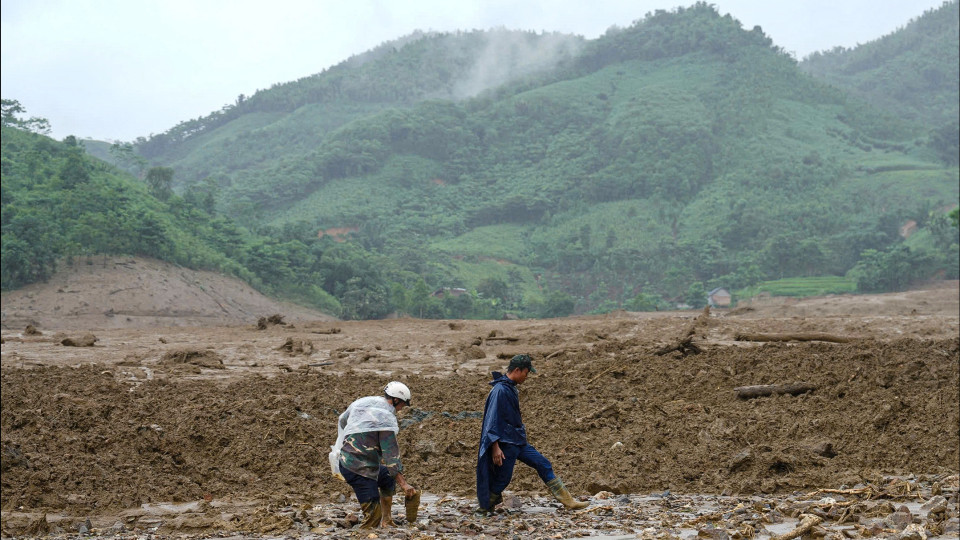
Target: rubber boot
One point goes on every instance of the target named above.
(560, 492)
(412, 506)
(371, 515)
(495, 499)
(386, 504)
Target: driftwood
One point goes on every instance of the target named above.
(794, 389)
(807, 522)
(810, 336)
(685, 343)
(604, 372)
(686, 347)
(330, 331)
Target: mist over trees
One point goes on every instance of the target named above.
(475, 174)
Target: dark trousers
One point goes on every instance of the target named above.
(526, 454)
(492, 479)
(368, 489)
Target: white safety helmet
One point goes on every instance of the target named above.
(398, 390)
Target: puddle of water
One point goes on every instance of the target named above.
(170, 508)
(538, 510)
(776, 529)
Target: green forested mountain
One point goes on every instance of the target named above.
(546, 173)
(913, 72)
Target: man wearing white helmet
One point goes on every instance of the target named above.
(367, 456)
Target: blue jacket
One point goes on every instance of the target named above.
(501, 422)
(501, 415)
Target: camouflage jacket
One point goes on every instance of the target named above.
(362, 453)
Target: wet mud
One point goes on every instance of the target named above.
(200, 432)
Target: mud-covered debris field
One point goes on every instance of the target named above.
(233, 417)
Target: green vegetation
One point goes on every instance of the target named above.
(634, 171)
(800, 287)
(913, 73)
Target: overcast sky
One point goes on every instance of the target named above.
(120, 69)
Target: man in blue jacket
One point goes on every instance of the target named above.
(503, 441)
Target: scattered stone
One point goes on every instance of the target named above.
(37, 527)
(743, 459)
(457, 448)
(297, 347)
(913, 531)
(426, 449)
(87, 340)
(11, 456)
(713, 533)
(824, 449)
(936, 505)
(31, 330)
(201, 358)
(899, 520)
(273, 320)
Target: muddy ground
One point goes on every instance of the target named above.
(199, 431)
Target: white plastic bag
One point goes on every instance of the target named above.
(372, 413)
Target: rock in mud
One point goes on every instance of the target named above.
(202, 358)
(86, 340)
(38, 527)
(273, 320)
(297, 347)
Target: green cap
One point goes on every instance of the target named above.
(521, 361)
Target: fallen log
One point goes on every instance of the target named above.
(330, 331)
(807, 522)
(604, 372)
(794, 389)
(502, 338)
(809, 336)
(684, 343)
(685, 346)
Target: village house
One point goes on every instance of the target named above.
(719, 297)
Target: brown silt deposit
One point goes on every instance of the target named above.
(200, 431)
